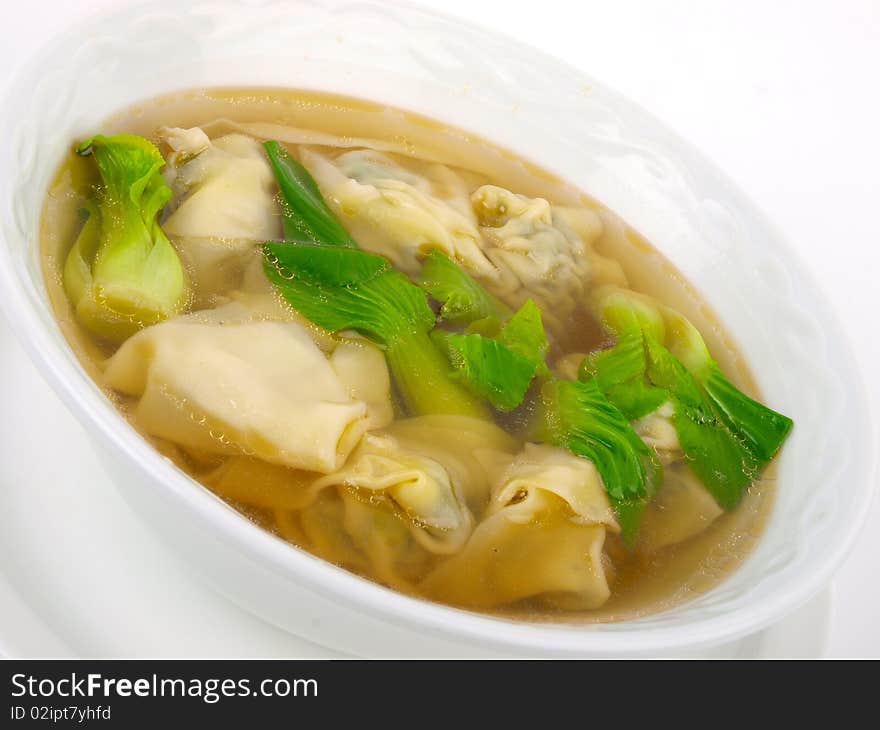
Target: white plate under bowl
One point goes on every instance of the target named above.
(528, 102)
(83, 576)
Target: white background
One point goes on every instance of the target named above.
(783, 95)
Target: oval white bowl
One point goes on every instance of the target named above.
(470, 78)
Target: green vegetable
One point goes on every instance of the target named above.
(122, 273)
(524, 334)
(463, 300)
(577, 416)
(325, 276)
(498, 357)
(719, 458)
(621, 373)
(728, 437)
(500, 368)
(305, 214)
(487, 368)
(500, 352)
(342, 288)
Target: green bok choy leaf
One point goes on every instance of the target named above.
(728, 437)
(122, 273)
(501, 351)
(340, 288)
(305, 215)
(322, 272)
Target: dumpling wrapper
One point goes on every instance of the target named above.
(422, 471)
(682, 509)
(360, 364)
(397, 213)
(417, 484)
(406, 496)
(545, 468)
(225, 189)
(543, 537)
(364, 536)
(221, 383)
(323, 523)
(223, 207)
(458, 443)
(362, 367)
(658, 431)
(368, 537)
(538, 253)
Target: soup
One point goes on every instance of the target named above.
(409, 352)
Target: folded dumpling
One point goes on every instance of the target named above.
(681, 509)
(361, 366)
(459, 443)
(397, 212)
(350, 527)
(222, 382)
(536, 250)
(658, 431)
(416, 485)
(405, 499)
(366, 536)
(223, 188)
(223, 205)
(550, 469)
(542, 538)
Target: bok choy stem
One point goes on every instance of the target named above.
(341, 288)
(122, 273)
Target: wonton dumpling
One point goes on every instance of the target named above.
(184, 144)
(220, 382)
(540, 467)
(397, 213)
(542, 539)
(526, 552)
(658, 431)
(458, 443)
(226, 190)
(418, 485)
(682, 508)
(388, 512)
(366, 537)
(535, 249)
(362, 367)
(322, 523)
(224, 204)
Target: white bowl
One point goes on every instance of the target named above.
(473, 79)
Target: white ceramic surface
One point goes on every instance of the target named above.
(603, 144)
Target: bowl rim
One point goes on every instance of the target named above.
(387, 605)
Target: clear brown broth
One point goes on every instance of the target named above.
(644, 583)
